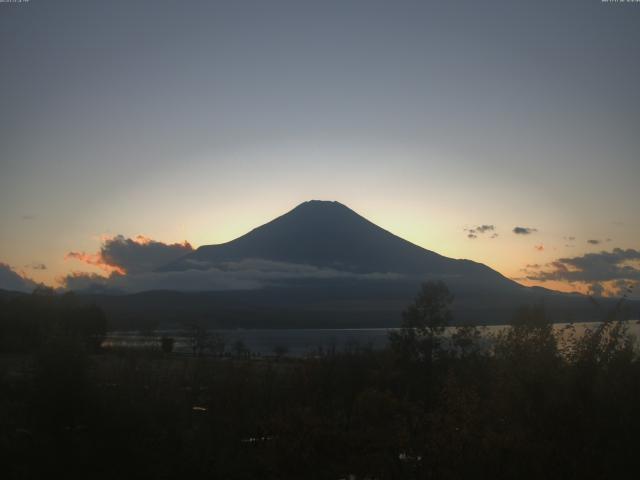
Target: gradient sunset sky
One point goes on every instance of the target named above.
(200, 120)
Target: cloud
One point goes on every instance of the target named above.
(123, 255)
(524, 230)
(473, 233)
(36, 266)
(539, 248)
(96, 260)
(130, 263)
(84, 281)
(592, 267)
(593, 241)
(604, 271)
(12, 280)
(247, 274)
(485, 228)
(597, 290)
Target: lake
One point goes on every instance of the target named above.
(296, 342)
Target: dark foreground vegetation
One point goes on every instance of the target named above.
(527, 404)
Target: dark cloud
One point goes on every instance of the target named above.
(595, 267)
(12, 280)
(36, 266)
(485, 228)
(84, 281)
(132, 255)
(473, 233)
(28, 217)
(596, 289)
(625, 287)
(141, 254)
(524, 230)
(612, 269)
(243, 275)
(593, 242)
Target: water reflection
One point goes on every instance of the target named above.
(300, 342)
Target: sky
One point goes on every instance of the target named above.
(163, 122)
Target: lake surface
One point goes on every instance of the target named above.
(296, 342)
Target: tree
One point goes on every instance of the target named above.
(280, 351)
(467, 341)
(199, 338)
(529, 340)
(240, 349)
(423, 323)
(167, 343)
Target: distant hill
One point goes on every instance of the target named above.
(9, 294)
(325, 306)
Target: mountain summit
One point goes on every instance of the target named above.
(328, 234)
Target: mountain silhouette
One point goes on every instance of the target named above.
(330, 235)
(347, 272)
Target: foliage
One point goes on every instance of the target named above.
(423, 322)
(166, 344)
(533, 403)
(28, 322)
(203, 341)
